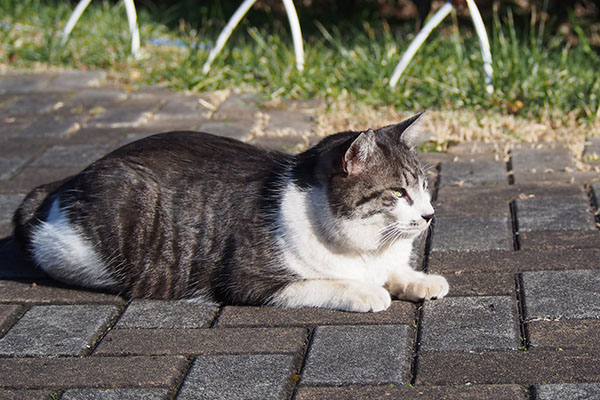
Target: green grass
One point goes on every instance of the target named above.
(537, 71)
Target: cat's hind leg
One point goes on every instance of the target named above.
(65, 254)
(335, 294)
(408, 284)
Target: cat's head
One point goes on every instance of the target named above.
(375, 187)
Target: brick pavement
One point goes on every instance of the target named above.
(517, 239)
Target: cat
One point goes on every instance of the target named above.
(189, 215)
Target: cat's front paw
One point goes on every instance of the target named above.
(367, 299)
(426, 287)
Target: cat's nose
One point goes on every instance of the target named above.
(427, 217)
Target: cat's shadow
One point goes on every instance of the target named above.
(14, 265)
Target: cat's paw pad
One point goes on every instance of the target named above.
(427, 288)
(366, 299)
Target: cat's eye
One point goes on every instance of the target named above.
(400, 193)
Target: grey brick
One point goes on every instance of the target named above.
(32, 105)
(473, 173)
(558, 214)
(238, 107)
(55, 126)
(116, 394)
(9, 314)
(541, 160)
(562, 294)
(470, 323)
(23, 83)
(56, 330)
(183, 107)
(571, 391)
(71, 80)
(288, 121)
(472, 233)
(91, 372)
(50, 292)
(239, 376)
(135, 111)
(343, 355)
(12, 394)
(234, 130)
(8, 166)
(90, 98)
(166, 314)
(8, 205)
(68, 156)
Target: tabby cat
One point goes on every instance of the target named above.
(189, 215)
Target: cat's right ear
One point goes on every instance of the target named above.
(358, 154)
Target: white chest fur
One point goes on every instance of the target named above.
(317, 246)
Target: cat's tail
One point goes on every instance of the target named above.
(31, 211)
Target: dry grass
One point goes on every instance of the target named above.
(446, 128)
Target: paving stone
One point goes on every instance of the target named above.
(473, 173)
(342, 355)
(575, 177)
(554, 214)
(29, 178)
(9, 165)
(581, 239)
(13, 266)
(481, 284)
(57, 330)
(228, 129)
(23, 83)
(564, 334)
(10, 394)
(92, 372)
(116, 394)
(239, 107)
(541, 160)
(236, 377)
(166, 314)
(183, 107)
(466, 203)
(10, 128)
(95, 98)
(571, 391)
(8, 315)
(32, 105)
(202, 341)
(25, 147)
(472, 392)
(474, 233)
(292, 144)
(70, 80)
(55, 126)
(288, 121)
(50, 292)
(8, 204)
(135, 111)
(562, 294)
(507, 367)
(470, 324)
(400, 312)
(513, 261)
(70, 156)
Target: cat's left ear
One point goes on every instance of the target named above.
(407, 130)
(359, 153)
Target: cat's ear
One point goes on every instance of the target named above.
(407, 130)
(358, 154)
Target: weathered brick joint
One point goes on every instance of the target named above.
(517, 239)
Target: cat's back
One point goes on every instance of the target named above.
(193, 154)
